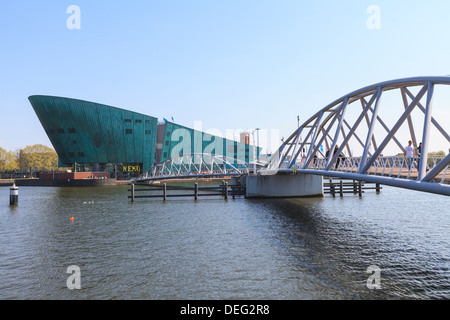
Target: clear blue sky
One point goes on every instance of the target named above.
(230, 64)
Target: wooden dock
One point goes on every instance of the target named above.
(349, 186)
(163, 191)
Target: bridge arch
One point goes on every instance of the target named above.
(357, 140)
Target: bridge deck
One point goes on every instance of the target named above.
(403, 173)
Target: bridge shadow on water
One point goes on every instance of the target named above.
(337, 249)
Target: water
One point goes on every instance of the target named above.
(212, 249)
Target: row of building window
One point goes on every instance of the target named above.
(61, 131)
(72, 155)
(138, 121)
(130, 131)
(72, 130)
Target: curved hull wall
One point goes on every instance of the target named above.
(87, 133)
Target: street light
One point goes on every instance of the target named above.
(254, 162)
(257, 144)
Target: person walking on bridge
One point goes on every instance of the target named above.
(419, 154)
(340, 158)
(409, 150)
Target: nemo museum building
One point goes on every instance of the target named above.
(91, 137)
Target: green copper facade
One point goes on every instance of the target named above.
(180, 140)
(89, 133)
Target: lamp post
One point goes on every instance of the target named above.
(254, 161)
(257, 143)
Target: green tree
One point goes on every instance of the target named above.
(38, 158)
(8, 161)
(438, 154)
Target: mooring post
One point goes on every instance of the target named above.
(341, 185)
(355, 188)
(14, 195)
(132, 192)
(196, 191)
(360, 188)
(378, 188)
(226, 190)
(165, 192)
(332, 189)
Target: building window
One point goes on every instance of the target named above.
(71, 154)
(168, 133)
(167, 142)
(148, 121)
(128, 131)
(51, 131)
(81, 154)
(127, 120)
(72, 130)
(138, 121)
(74, 141)
(148, 132)
(165, 155)
(231, 149)
(60, 130)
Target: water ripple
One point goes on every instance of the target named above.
(212, 249)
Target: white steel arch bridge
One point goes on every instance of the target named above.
(360, 136)
(378, 124)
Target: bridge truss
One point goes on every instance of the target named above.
(359, 127)
(198, 165)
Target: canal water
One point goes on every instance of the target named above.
(291, 249)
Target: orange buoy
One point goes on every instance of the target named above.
(72, 219)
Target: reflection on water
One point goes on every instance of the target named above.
(212, 249)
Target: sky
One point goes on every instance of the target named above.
(233, 65)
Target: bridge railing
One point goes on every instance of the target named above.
(393, 166)
(198, 165)
(390, 117)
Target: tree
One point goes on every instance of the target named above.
(438, 155)
(8, 161)
(38, 158)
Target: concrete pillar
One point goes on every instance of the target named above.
(284, 186)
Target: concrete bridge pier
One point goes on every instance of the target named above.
(284, 186)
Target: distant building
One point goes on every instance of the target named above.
(100, 137)
(245, 138)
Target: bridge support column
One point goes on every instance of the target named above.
(284, 186)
